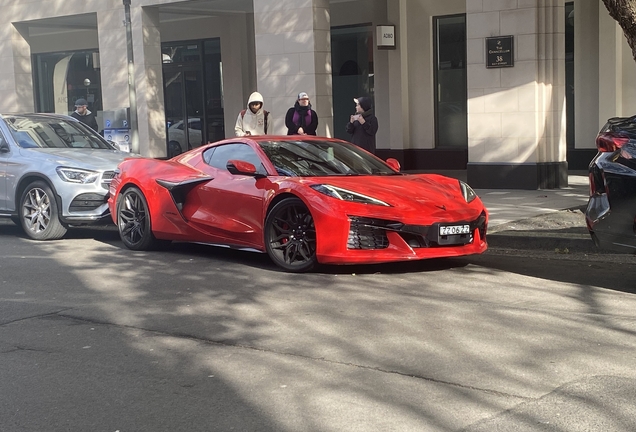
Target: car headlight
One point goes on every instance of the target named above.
(347, 195)
(76, 175)
(468, 192)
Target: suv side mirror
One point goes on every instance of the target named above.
(4, 147)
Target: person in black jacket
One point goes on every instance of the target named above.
(84, 115)
(301, 119)
(363, 125)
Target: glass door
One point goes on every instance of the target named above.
(451, 110)
(183, 93)
(193, 94)
(352, 76)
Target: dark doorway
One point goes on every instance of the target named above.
(352, 76)
(451, 89)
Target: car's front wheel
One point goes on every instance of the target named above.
(290, 236)
(38, 213)
(133, 221)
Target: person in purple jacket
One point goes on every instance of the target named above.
(301, 119)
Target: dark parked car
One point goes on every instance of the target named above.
(54, 173)
(611, 210)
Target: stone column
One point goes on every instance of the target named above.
(113, 58)
(16, 82)
(398, 78)
(516, 115)
(149, 81)
(293, 54)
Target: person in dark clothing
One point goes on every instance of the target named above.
(301, 119)
(84, 115)
(363, 125)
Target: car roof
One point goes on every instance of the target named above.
(38, 115)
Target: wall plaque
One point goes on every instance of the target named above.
(385, 36)
(500, 52)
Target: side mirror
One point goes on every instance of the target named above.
(393, 163)
(235, 166)
(114, 144)
(4, 147)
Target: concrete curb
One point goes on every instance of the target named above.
(572, 243)
(563, 231)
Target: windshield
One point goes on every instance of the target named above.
(50, 132)
(297, 158)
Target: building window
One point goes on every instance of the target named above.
(62, 78)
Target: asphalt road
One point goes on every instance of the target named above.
(94, 337)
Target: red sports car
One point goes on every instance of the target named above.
(303, 200)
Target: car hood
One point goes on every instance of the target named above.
(403, 191)
(95, 159)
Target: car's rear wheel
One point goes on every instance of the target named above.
(38, 213)
(290, 236)
(133, 221)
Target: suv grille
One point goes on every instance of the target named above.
(107, 176)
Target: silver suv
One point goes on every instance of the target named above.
(54, 173)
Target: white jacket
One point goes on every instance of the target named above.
(254, 123)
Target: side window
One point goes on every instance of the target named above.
(222, 154)
(207, 155)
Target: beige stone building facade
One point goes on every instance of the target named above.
(513, 91)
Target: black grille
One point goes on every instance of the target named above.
(366, 237)
(87, 202)
(107, 176)
(367, 233)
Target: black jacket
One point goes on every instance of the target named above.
(88, 119)
(363, 135)
(292, 128)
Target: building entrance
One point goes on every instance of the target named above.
(193, 94)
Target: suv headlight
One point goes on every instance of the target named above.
(76, 175)
(346, 195)
(468, 192)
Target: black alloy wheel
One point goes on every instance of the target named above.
(290, 236)
(38, 213)
(133, 221)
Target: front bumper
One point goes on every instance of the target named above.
(371, 241)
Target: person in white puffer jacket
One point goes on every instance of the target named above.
(254, 120)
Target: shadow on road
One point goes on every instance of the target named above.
(589, 270)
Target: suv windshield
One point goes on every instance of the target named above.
(49, 132)
(298, 158)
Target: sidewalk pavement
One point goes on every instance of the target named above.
(545, 219)
(542, 220)
(508, 205)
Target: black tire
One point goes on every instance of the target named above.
(133, 221)
(16, 220)
(290, 236)
(38, 213)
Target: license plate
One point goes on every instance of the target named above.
(454, 230)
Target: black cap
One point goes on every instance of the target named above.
(81, 102)
(364, 102)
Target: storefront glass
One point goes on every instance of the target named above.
(193, 92)
(62, 78)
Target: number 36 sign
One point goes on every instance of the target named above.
(500, 52)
